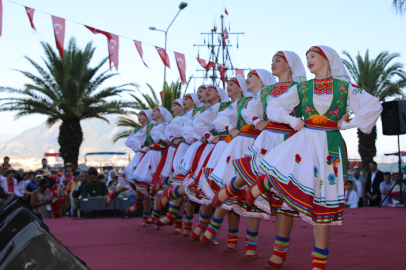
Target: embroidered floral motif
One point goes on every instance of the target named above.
(331, 179)
(150, 167)
(211, 109)
(335, 171)
(228, 159)
(226, 128)
(336, 112)
(323, 87)
(298, 159)
(231, 107)
(263, 151)
(254, 118)
(207, 135)
(308, 110)
(240, 103)
(332, 159)
(293, 113)
(321, 183)
(348, 120)
(222, 109)
(316, 171)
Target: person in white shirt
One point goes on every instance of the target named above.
(359, 183)
(9, 182)
(351, 196)
(385, 187)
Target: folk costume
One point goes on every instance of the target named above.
(309, 170)
(145, 170)
(224, 172)
(274, 134)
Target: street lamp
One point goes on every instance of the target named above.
(182, 5)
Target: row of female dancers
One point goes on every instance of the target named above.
(261, 148)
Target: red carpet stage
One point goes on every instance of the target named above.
(370, 238)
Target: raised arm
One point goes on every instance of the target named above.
(203, 123)
(366, 109)
(279, 108)
(227, 119)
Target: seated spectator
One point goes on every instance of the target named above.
(102, 178)
(6, 163)
(106, 173)
(20, 187)
(111, 176)
(68, 175)
(351, 196)
(31, 187)
(69, 202)
(9, 182)
(94, 189)
(19, 172)
(84, 179)
(58, 208)
(112, 185)
(41, 200)
(385, 187)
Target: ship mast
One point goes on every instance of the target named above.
(221, 46)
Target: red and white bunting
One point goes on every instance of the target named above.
(239, 73)
(225, 11)
(164, 56)
(30, 13)
(113, 50)
(225, 36)
(59, 31)
(222, 74)
(204, 65)
(181, 62)
(139, 49)
(97, 31)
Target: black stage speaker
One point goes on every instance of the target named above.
(12, 204)
(394, 117)
(35, 249)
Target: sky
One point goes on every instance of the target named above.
(269, 26)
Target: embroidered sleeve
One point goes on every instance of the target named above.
(137, 139)
(279, 108)
(227, 119)
(366, 109)
(254, 111)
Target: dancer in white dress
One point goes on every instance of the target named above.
(143, 174)
(309, 170)
(134, 141)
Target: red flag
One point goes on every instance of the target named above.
(97, 31)
(226, 11)
(239, 73)
(113, 50)
(139, 49)
(204, 65)
(222, 74)
(164, 56)
(215, 29)
(1, 15)
(225, 36)
(161, 95)
(181, 62)
(59, 31)
(30, 13)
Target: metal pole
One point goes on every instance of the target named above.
(165, 51)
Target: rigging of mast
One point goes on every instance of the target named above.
(218, 45)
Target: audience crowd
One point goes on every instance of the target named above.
(50, 193)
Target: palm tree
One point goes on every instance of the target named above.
(66, 90)
(400, 6)
(382, 80)
(169, 94)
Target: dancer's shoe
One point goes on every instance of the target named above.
(271, 264)
(251, 257)
(129, 211)
(195, 236)
(204, 240)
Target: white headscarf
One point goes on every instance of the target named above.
(295, 64)
(337, 68)
(165, 114)
(266, 77)
(109, 178)
(149, 116)
(179, 101)
(195, 99)
(243, 85)
(222, 93)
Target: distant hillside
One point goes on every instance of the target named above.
(34, 142)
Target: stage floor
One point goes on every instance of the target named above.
(371, 238)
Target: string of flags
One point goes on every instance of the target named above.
(59, 28)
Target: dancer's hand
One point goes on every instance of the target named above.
(345, 116)
(146, 149)
(204, 140)
(175, 141)
(261, 125)
(234, 132)
(216, 139)
(300, 125)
